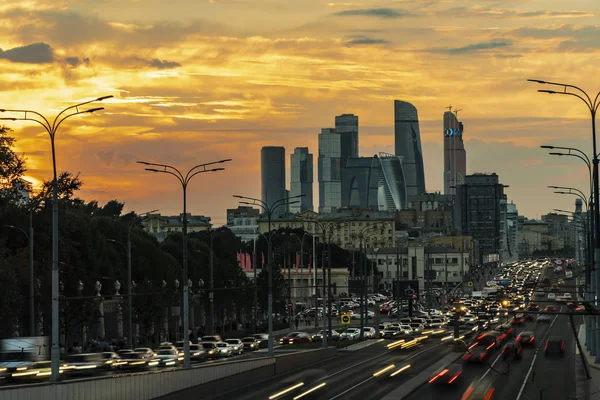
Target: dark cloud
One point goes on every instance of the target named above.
(476, 47)
(163, 64)
(365, 40)
(76, 61)
(374, 12)
(36, 53)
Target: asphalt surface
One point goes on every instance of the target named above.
(535, 377)
(349, 375)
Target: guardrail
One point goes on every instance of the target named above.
(141, 386)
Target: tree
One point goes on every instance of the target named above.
(67, 185)
(12, 168)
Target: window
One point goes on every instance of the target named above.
(455, 260)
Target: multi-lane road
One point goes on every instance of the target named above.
(535, 376)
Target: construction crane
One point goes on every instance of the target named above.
(456, 112)
(449, 108)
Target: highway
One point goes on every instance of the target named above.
(535, 376)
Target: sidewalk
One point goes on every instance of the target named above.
(586, 389)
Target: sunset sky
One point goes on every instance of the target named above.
(200, 80)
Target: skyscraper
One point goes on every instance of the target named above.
(408, 146)
(480, 212)
(272, 165)
(302, 179)
(375, 183)
(330, 174)
(455, 156)
(346, 125)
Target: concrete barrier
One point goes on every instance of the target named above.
(142, 386)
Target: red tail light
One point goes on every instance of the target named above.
(490, 346)
(455, 377)
(468, 393)
(435, 378)
(547, 343)
(519, 339)
(531, 340)
(562, 346)
(482, 336)
(467, 357)
(481, 357)
(473, 345)
(489, 394)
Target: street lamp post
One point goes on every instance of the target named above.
(51, 129)
(269, 210)
(184, 180)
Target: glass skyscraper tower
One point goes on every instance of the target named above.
(301, 179)
(272, 168)
(330, 171)
(455, 156)
(408, 146)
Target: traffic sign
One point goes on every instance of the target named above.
(470, 284)
(290, 305)
(345, 319)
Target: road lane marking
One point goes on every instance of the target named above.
(310, 391)
(279, 394)
(535, 357)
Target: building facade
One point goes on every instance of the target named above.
(160, 226)
(455, 156)
(346, 125)
(347, 230)
(330, 171)
(431, 202)
(272, 165)
(534, 236)
(301, 182)
(512, 220)
(478, 212)
(407, 137)
(243, 222)
(559, 227)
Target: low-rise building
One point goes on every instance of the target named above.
(243, 222)
(161, 225)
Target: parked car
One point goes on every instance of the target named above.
(236, 344)
(250, 343)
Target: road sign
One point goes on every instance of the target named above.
(470, 284)
(406, 289)
(290, 305)
(345, 319)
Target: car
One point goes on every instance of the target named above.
(137, 360)
(168, 346)
(350, 334)
(211, 349)
(197, 353)
(543, 318)
(556, 345)
(317, 337)
(448, 375)
(550, 308)
(390, 332)
(167, 357)
(518, 319)
(369, 332)
(84, 364)
(250, 343)
(526, 338)
(109, 358)
(479, 390)
(236, 344)
(212, 338)
(148, 351)
(566, 296)
(295, 337)
(225, 350)
(478, 353)
(263, 340)
(512, 350)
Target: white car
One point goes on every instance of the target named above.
(567, 296)
(405, 329)
(551, 296)
(350, 334)
(369, 332)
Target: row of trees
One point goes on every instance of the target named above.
(87, 256)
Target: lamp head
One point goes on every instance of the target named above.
(547, 147)
(143, 162)
(547, 91)
(91, 110)
(536, 81)
(104, 97)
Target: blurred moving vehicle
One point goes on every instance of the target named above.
(526, 338)
(447, 376)
(236, 345)
(137, 361)
(85, 364)
(481, 390)
(295, 337)
(250, 343)
(211, 349)
(543, 318)
(317, 337)
(350, 334)
(225, 350)
(197, 353)
(512, 351)
(555, 345)
(263, 340)
(212, 338)
(168, 357)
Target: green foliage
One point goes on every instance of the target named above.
(12, 169)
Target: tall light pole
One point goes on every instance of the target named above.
(29, 237)
(185, 180)
(51, 129)
(129, 279)
(269, 210)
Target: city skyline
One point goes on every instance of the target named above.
(191, 91)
